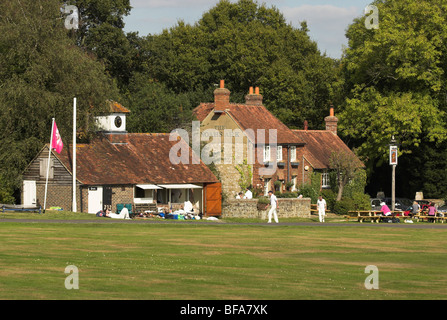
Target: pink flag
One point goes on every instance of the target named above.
(56, 141)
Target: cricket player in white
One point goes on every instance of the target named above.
(273, 205)
(321, 205)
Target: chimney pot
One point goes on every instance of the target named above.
(221, 97)
(331, 121)
(253, 99)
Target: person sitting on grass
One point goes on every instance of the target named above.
(103, 213)
(124, 214)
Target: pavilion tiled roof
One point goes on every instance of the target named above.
(143, 158)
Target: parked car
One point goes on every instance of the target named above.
(442, 208)
(401, 204)
(375, 204)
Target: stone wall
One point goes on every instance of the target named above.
(287, 208)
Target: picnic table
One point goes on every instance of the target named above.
(376, 216)
(360, 216)
(436, 218)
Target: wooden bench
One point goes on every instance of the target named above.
(376, 216)
(142, 207)
(361, 216)
(314, 209)
(373, 216)
(423, 217)
(11, 207)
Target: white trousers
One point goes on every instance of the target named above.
(275, 215)
(321, 215)
(124, 214)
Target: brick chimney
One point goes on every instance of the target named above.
(221, 98)
(306, 125)
(253, 99)
(331, 121)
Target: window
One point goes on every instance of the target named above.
(266, 186)
(278, 153)
(325, 180)
(293, 154)
(44, 168)
(266, 153)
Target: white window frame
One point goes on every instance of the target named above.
(325, 180)
(278, 153)
(267, 186)
(292, 153)
(266, 153)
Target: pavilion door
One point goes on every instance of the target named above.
(94, 199)
(107, 198)
(29, 193)
(213, 199)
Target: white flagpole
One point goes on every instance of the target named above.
(74, 156)
(48, 166)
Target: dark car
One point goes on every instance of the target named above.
(401, 204)
(442, 208)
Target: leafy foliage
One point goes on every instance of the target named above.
(396, 84)
(246, 174)
(247, 44)
(41, 70)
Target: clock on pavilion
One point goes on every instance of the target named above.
(115, 122)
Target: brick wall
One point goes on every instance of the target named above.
(57, 196)
(121, 194)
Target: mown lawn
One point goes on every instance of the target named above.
(222, 261)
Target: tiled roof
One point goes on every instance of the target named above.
(203, 110)
(116, 107)
(320, 144)
(252, 117)
(144, 159)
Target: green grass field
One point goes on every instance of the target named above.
(219, 261)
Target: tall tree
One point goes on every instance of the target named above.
(101, 32)
(396, 80)
(41, 70)
(248, 44)
(345, 164)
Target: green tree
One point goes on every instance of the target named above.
(395, 75)
(155, 108)
(101, 24)
(41, 70)
(345, 165)
(395, 81)
(247, 44)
